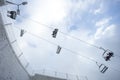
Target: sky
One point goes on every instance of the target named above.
(94, 21)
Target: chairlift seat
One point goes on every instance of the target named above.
(58, 49)
(13, 14)
(107, 55)
(22, 32)
(54, 34)
(102, 68)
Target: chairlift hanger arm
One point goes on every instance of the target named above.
(11, 3)
(23, 3)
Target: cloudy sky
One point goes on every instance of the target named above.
(94, 21)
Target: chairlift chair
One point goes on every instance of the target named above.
(54, 34)
(22, 32)
(58, 49)
(102, 68)
(12, 14)
(107, 55)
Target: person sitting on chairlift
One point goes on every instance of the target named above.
(12, 14)
(108, 56)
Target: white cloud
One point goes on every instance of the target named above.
(80, 5)
(109, 30)
(103, 22)
(99, 33)
(99, 10)
(103, 26)
(103, 32)
(53, 11)
(47, 12)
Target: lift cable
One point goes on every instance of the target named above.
(69, 36)
(63, 33)
(73, 52)
(107, 56)
(56, 44)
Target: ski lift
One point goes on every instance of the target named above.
(107, 55)
(22, 32)
(54, 34)
(102, 68)
(18, 9)
(58, 49)
(18, 5)
(12, 14)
